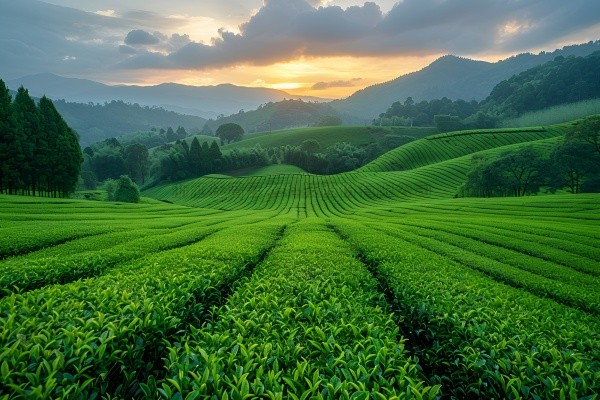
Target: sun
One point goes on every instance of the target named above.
(285, 85)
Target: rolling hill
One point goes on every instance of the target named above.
(283, 115)
(432, 167)
(329, 135)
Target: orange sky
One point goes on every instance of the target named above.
(300, 46)
(298, 77)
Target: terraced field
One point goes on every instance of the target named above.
(365, 285)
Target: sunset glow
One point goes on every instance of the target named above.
(293, 45)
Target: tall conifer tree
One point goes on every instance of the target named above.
(195, 157)
(26, 112)
(5, 134)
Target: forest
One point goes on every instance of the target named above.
(39, 153)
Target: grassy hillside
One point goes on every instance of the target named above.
(450, 145)
(328, 136)
(399, 175)
(555, 115)
(276, 169)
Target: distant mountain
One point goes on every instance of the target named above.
(202, 101)
(449, 76)
(96, 122)
(560, 81)
(282, 115)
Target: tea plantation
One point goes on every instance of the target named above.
(374, 284)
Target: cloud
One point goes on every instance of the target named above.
(140, 37)
(124, 49)
(283, 30)
(39, 37)
(36, 36)
(335, 84)
(106, 13)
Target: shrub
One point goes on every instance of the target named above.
(126, 191)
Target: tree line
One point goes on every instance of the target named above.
(572, 165)
(179, 159)
(39, 152)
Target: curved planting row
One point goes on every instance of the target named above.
(476, 337)
(27, 273)
(312, 195)
(310, 323)
(103, 336)
(438, 148)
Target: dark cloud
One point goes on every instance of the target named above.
(39, 37)
(140, 37)
(335, 84)
(286, 29)
(124, 49)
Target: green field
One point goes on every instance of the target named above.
(275, 169)
(556, 114)
(373, 284)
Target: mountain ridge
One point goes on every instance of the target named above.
(450, 76)
(201, 101)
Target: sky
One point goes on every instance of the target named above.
(327, 49)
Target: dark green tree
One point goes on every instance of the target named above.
(515, 173)
(310, 146)
(484, 179)
(523, 170)
(69, 152)
(26, 113)
(50, 128)
(195, 158)
(205, 162)
(171, 135)
(126, 190)
(136, 162)
(587, 131)
(230, 132)
(6, 135)
(214, 154)
(574, 163)
(447, 123)
(109, 160)
(181, 132)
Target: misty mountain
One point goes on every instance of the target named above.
(202, 101)
(282, 115)
(452, 77)
(96, 122)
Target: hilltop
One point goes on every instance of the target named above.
(450, 76)
(282, 115)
